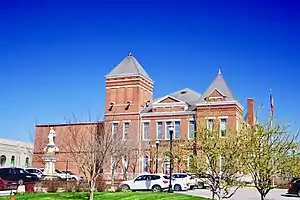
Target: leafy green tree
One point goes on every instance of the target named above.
(220, 156)
(270, 153)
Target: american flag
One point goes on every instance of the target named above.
(271, 104)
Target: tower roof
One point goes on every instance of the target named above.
(220, 84)
(129, 67)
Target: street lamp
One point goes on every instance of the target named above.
(171, 131)
(156, 162)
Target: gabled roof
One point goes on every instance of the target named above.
(176, 100)
(187, 95)
(220, 84)
(129, 67)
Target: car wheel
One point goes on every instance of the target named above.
(177, 187)
(200, 185)
(125, 188)
(156, 188)
(20, 182)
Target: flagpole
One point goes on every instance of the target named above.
(271, 123)
(271, 108)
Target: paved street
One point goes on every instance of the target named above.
(246, 194)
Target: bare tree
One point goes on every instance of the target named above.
(89, 146)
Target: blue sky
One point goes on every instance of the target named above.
(54, 54)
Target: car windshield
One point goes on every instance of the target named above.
(71, 173)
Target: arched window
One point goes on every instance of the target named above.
(2, 160)
(166, 167)
(27, 162)
(190, 162)
(12, 160)
(145, 164)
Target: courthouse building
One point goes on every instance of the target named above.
(15, 153)
(131, 106)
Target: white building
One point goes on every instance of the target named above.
(15, 153)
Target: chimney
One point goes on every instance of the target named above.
(250, 117)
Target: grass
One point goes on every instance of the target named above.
(105, 196)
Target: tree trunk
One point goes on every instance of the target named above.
(113, 177)
(92, 188)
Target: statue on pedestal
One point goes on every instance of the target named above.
(50, 157)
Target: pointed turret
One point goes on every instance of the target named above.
(218, 88)
(129, 67)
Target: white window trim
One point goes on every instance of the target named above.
(188, 162)
(225, 117)
(124, 122)
(210, 117)
(168, 120)
(143, 164)
(111, 164)
(174, 122)
(112, 127)
(189, 138)
(161, 130)
(207, 122)
(221, 162)
(143, 129)
(123, 162)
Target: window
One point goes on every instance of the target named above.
(125, 162)
(159, 134)
(222, 162)
(166, 167)
(177, 130)
(190, 161)
(145, 164)
(168, 126)
(2, 160)
(12, 160)
(112, 164)
(191, 129)
(115, 128)
(146, 130)
(223, 127)
(210, 124)
(126, 130)
(27, 162)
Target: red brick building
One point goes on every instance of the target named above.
(130, 105)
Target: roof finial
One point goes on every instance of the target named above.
(130, 54)
(219, 72)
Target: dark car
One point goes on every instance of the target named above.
(19, 175)
(294, 187)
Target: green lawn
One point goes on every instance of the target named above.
(105, 196)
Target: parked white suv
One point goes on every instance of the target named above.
(35, 171)
(154, 182)
(72, 176)
(190, 181)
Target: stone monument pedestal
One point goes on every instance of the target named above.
(50, 157)
(49, 169)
